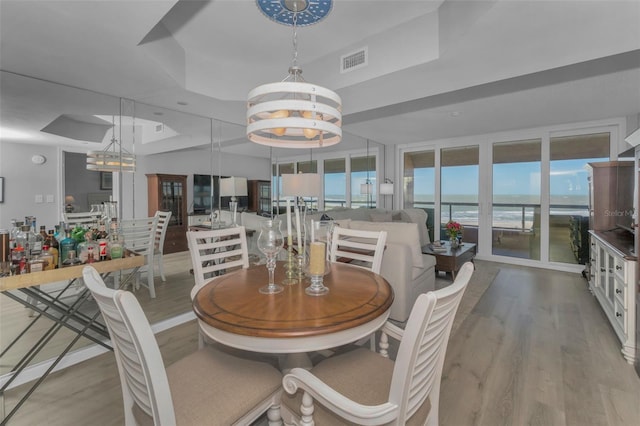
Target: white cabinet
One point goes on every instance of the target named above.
(611, 280)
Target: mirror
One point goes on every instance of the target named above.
(66, 124)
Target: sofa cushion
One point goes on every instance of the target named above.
(420, 217)
(397, 232)
(400, 216)
(381, 217)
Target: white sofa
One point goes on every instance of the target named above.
(409, 272)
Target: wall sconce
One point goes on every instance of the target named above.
(386, 188)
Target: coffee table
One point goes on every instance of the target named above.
(450, 260)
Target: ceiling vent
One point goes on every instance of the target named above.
(354, 60)
(159, 128)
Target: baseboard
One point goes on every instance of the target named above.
(36, 371)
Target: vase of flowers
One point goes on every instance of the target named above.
(454, 230)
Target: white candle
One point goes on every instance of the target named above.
(289, 236)
(316, 258)
(313, 230)
(298, 234)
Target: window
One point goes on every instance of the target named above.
(363, 181)
(335, 183)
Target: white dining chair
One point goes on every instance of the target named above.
(360, 248)
(206, 387)
(368, 388)
(81, 218)
(214, 253)
(163, 220)
(139, 237)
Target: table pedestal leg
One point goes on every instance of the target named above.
(295, 360)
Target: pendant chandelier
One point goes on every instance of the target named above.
(114, 158)
(293, 113)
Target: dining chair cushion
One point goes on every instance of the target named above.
(361, 375)
(224, 377)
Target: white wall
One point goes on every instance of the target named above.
(23, 180)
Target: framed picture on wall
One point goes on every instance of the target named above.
(106, 180)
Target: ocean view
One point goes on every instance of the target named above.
(508, 210)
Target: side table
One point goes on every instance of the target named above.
(450, 259)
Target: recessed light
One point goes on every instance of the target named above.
(182, 103)
(455, 113)
(158, 113)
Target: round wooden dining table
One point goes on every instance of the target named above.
(231, 311)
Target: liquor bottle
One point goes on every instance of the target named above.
(102, 231)
(36, 263)
(116, 242)
(15, 229)
(47, 257)
(54, 248)
(30, 241)
(67, 246)
(43, 232)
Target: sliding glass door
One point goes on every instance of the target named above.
(569, 194)
(516, 199)
(459, 180)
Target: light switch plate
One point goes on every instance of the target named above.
(39, 198)
(50, 198)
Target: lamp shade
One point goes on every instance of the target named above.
(366, 188)
(69, 199)
(233, 187)
(386, 189)
(301, 184)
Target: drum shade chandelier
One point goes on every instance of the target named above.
(114, 158)
(293, 113)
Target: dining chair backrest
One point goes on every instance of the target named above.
(139, 237)
(81, 218)
(217, 251)
(142, 373)
(420, 359)
(139, 234)
(366, 248)
(163, 220)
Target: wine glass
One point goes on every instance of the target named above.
(270, 242)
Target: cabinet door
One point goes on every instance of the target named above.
(172, 199)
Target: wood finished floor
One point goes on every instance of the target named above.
(535, 350)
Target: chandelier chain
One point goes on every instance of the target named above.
(294, 61)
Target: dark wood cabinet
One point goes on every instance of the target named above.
(609, 182)
(169, 193)
(259, 196)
